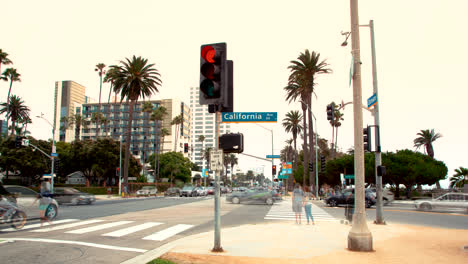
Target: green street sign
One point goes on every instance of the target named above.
(283, 176)
(351, 176)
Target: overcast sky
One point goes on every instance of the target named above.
(420, 45)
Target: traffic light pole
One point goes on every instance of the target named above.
(359, 237)
(217, 212)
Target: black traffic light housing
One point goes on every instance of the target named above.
(330, 112)
(213, 74)
(18, 141)
(311, 167)
(56, 165)
(322, 163)
(232, 143)
(367, 139)
(185, 147)
(273, 170)
(381, 170)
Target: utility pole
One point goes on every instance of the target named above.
(359, 237)
(217, 214)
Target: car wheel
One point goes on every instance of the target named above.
(332, 203)
(385, 201)
(235, 200)
(425, 207)
(75, 201)
(368, 204)
(18, 220)
(269, 201)
(51, 212)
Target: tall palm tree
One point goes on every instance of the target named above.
(292, 124)
(10, 74)
(4, 59)
(177, 121)
(206, 156)
(15, 110)
(109, 77)
(100, 69)
(460, 178)
(234, 161)
(147, 109)
(158, 116)
(305, 69)
(79, 122)
(425, 139)
(135, 78)
(25, 121)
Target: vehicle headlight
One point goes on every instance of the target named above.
(82, 197)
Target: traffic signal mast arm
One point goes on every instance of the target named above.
(35, 147)
(342, 106)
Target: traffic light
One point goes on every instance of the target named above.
(185, 147)
(56, 165)
(117, 173)
(311, 167)
(231, 143)
(18, 141)
(330, 112)
(273, 170)
(381, 170)
(367, 139)
(275, 180)
(322, 163)
(213, 74)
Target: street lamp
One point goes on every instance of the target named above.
(53, 151)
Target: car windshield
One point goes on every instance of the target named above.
(187, 188)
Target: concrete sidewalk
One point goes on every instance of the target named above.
(325, 242)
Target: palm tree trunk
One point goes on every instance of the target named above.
(304, 148)
(295, 152)
(336, 140)
(8, 107)
(127, 142)
(99, 108)
(311, 143)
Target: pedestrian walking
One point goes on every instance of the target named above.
(109, 190)
(308, 206)
(297, 201)
(43, 204)
(45, 187)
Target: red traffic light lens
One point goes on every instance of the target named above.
(208, 53)
(208, 71)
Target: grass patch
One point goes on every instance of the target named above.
(161, 261)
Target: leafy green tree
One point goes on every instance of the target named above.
(175, 166)
(134, 79)
(10, 74)
(292, 124)
(15, 110)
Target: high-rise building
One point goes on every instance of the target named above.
(68, 96)
(203, 124)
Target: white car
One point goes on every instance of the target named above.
(147, 191)
(26, 200)
(201, 191)
(448, 200)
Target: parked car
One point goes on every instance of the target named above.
(173, 191)
(70, 195)
(347, 197)
(25, 197)
(387, 195)
(147, 191)
(251, 196)
(187, 191)
(210, 190)
(448, 200)
(200, 191)
(276, 195)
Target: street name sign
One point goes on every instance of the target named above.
(216, 160)
(283, 176)
(249, 117)
(372, 101)
(273, 157)
(351, 176)
(54, 154)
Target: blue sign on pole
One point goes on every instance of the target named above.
(54, 154)
(246, 117)
(372, 101)
(205, 173)
(273, 157)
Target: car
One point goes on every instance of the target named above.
(200, 191)
(347, 197)
(276, 195)
(25, 199)
(251, 196)
(71, 195)
(147, 191)
(187, 191)
(172, 191)
(210, 190)
(448, 200)
(387, 195)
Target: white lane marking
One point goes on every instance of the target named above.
(283, 211)
(166, 233)
(98, 227)
(67, 226)
(39, 225)
(75, 243)
(132, 229)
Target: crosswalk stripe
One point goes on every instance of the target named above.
(67, 226)
(39, 225)
(166, 233)
(132, 229)
(98, 227)
(283, 211)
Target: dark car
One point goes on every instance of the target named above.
(251, 196)
(187, 191)
(71, 195)
(26, 200)
(347, 197)
(173, 191)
